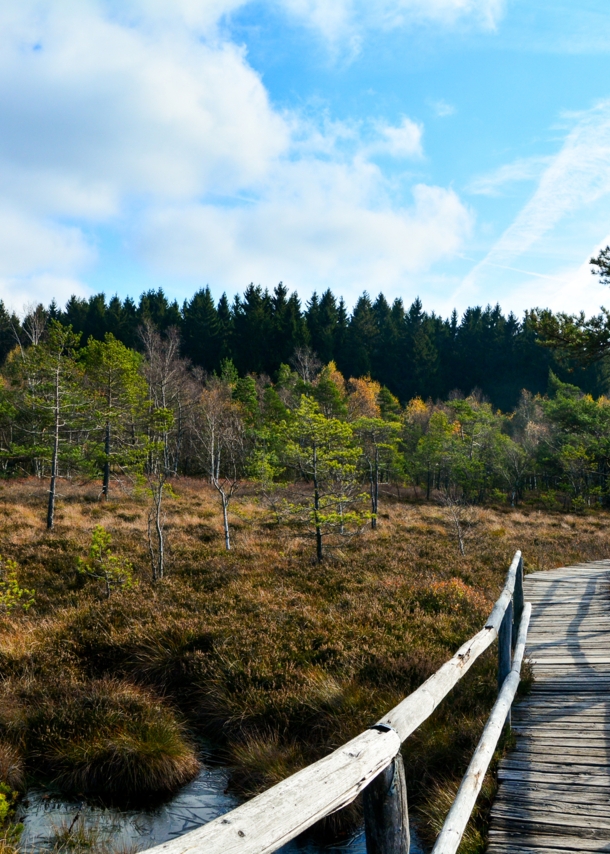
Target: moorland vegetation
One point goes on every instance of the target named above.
(258, 657)
(254, 568)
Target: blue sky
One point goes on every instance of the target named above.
(455, 150)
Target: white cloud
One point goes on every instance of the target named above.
(31, 245)
(110, 111)
(484, 13)
(333, 19)
(19, 293)
(318, 225)
(142, 115)
(38, 259)
(402, 141)
(201, 16)
(557, 26)
(576, 177)
(99, 116)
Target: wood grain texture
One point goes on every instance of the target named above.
(386, 812)
(554, 787)
(282, 812)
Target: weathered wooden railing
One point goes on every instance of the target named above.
(371, 763)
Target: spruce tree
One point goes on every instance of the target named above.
(10, 332)
(253, 331)
(201, 333)
(361, 339)
(288, 327)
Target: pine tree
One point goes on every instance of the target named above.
(340, 338)
(54, 410)
(386, 359)
(10, 332)
(96, 322)
(122, 321)
(226, 328)
(361, 339)
(115, 378)
(330, 393)
(422, 360)
(322, 318)
(156, 308)
(75, 314)
(322, 451)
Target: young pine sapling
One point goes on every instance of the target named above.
(102, 565)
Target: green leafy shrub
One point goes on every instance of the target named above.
(10, 832)
(11, 594)
(5, 802)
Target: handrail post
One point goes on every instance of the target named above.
(386, 813)
(518, 601)
(505, 648)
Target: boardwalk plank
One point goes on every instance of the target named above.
(554, 787)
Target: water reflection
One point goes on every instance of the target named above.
(129, 830)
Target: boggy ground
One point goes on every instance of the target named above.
(260, 653)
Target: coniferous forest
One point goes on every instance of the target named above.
(409, 351)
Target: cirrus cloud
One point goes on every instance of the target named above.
(348, 20)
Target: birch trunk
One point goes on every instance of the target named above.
(54, 458)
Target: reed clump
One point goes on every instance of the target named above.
(79, 837)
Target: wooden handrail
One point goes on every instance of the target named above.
(268, 821)
(453, 829)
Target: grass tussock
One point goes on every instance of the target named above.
(272, 658)
(98, 738)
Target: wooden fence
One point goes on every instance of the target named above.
(372, 764)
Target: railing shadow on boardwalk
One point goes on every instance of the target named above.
(371, 763)
(547, 783)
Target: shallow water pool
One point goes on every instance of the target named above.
(197, 803)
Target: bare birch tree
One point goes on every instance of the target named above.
(222, 441)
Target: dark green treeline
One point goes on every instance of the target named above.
(408, 350)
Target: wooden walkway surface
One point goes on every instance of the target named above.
(554, 792)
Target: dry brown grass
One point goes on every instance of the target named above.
(273, 657)
(12, 770)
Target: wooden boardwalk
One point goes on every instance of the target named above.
(554, 792)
